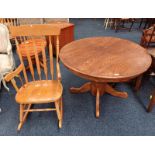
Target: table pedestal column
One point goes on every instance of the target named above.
(98, 89)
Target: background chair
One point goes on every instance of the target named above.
(148, 37)
(108, 22)
(147, 22)
(119, 23)
(9, 21)
(39, 86)
(148, 41)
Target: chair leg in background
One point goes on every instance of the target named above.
(152, 103)
(138, 82)
(131, 26)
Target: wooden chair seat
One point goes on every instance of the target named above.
(43, 91)
(28, 45)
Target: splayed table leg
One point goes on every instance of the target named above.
(98, 89)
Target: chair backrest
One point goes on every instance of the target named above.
(150, 32)
(26, 41)
(149, 36)
(9, 21)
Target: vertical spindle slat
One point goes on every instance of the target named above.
(35, 49)
(28, 49)
(57, 48)
(14, 84)
(21, 61)
(44, 62)
(51, 57)
(6, 20)
(57, 57)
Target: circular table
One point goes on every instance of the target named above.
(103, 60)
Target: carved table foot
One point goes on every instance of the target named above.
(84, 88)
(98, 89)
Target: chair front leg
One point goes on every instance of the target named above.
(58, 111)
(21, 113)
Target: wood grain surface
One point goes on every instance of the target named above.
(105, 59)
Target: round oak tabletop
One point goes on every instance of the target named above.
(105, 59)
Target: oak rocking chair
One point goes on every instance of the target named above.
(40, 88)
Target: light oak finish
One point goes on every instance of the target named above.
(37, 90)
(103, 60)
(28, 44)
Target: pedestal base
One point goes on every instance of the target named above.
(98, 89)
